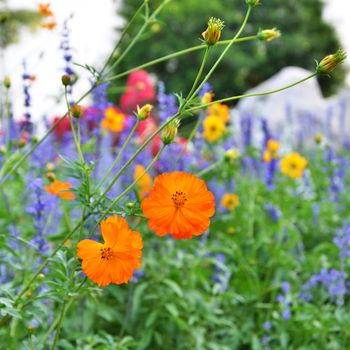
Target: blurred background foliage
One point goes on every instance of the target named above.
(306, 36)
(12, 21)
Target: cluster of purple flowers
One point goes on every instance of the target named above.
(167, 104)
(332, 282)
(284, 300)
(342, 240)
(266, 340)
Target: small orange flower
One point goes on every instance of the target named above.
(49, 25)
(230, 201)
(45, 10)
(115, 260)
(60, 189)
(179, 204)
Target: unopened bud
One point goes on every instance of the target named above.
(144, 112)
(130, 205)
(331, 62)
(66, 80)
(253, 3)
(213, 33)
(318, 138)
(268, 34)
(231, 155)
(41, 276)
(51, 176)
(22, 142)
(76, 111)
(7, 82)
(170, 132)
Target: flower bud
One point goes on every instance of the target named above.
(66, 80)
(7, 82)
(51, 176)
(130, 205)
(170, 132)
(213, 33)
(331, 62)
(22, 142)
(268, 34)
(253, 3)
(41, 276)
(76, 111)
(318, 138)
(143, 112)
(231, 155)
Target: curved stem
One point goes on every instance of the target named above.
(138, 35)
(59, 325)
(176, 54)
(209, 168)
(121, 151)
(37, 144)
(76, 139)
(131, 186)
(211, 71)
(228, 99)
(122, 35)
(199, 74)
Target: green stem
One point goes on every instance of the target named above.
(199, 74)
(130, 187)
(209, 168)
(121, 151)
(76, 139)
(228, 99)
(138, 35)
(233, 41)
(176, 54)
(122, 35)
(141, 148)
(59, 325)
(37, 144)
(145, 65)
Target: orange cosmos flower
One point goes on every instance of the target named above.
(179, 204)
(45, 10)
(115, 260)
(60, 189)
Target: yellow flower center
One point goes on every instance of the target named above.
(179, 198)
(106, 253)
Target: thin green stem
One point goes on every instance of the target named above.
(131, 186)
(176, 54)
(233, 41)
(141, 148)
(149, 20)
(199, 74)
(37, 144)
(120, 153)
(75, 137)
(59, 325)
(209, 168)
(122, 35)
(228, 99)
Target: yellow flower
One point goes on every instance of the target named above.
(214, 128)
(272, 148)
(207, 97)
(221, 110)
(293, 165)
(230, 201)
(114, 119)
(144, 185)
